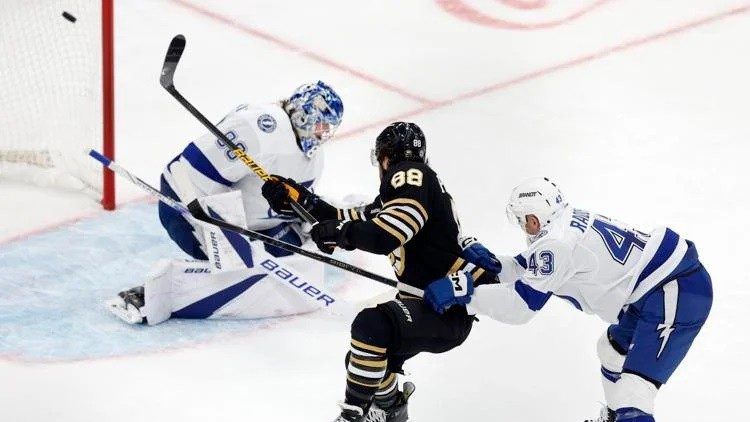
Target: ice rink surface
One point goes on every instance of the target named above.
(638, 109)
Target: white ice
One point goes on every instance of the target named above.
(638, 109)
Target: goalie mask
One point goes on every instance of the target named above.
(315, 111)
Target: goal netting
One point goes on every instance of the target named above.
(56, 94)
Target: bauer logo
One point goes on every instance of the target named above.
(294, 281)
(528, 194)
(266, 123)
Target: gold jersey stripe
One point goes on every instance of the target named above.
(369, 363)
(408, 201)
(364, 384)
(395, 233)
(406, 218)
(365, 346)
(477, 273)
(338, 214)
(354, 214)
(387, 381)
(456, 265)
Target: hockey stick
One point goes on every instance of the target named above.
(174, 53)
(195, 210)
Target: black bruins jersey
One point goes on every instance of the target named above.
(413, 221)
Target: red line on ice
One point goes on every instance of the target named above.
(461, 10)
(608, 51)
(301, 50)
(68, 221)
(524, 4)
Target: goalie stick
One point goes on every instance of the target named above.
(174, 53)
(196, 211)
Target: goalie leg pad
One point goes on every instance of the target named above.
(226, 250)
(189, 289)
(158, 292)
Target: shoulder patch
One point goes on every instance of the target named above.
(266, 123)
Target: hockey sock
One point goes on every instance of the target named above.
(365, 371)
(387, 394)
(367, 361)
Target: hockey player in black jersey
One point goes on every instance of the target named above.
(413, 222)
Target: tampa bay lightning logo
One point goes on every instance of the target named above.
(266, 123)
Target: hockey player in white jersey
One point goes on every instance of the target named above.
(650, 286)
(228, 276)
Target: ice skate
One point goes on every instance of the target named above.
(605, 415)
(127, 305)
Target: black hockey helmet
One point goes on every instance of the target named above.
(400, 141)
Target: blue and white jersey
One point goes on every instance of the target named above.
(266, 134)
(597, 264)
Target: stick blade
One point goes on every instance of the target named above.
(174, 53)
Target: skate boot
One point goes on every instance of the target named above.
(605, 415)
(350, 413)
(127, 305)
(392, 410)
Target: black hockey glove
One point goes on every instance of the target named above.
(331, 233)
(279, 191)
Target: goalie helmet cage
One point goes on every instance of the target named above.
(57, 94)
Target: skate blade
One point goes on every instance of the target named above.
(127, 313)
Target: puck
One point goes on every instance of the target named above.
(68, 16)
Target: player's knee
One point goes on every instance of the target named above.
(372, 326)
(633, 392)
(611, 359)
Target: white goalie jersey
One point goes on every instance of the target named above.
(597, 264)
(239, 278)
(266, 134)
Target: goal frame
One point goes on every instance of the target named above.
(108, 99)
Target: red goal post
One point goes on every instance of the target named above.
(108, 101)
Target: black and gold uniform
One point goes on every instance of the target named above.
(413, 222)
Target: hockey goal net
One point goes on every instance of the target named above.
(56, 91)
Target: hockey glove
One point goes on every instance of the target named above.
(279, 191)
(477, 254)
(453, 289)
(329, 234)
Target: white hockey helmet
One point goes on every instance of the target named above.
(537, 196)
